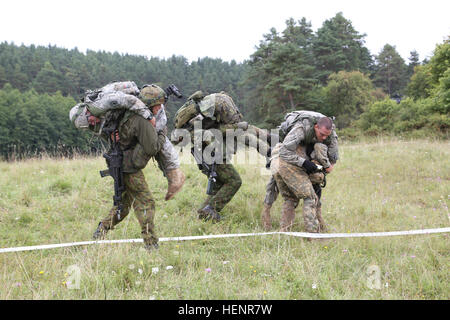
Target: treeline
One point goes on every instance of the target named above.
(41, 84)
(51, 69)
(33, 123)
(330, 71)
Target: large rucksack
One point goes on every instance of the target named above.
(127, 87)
(292, 118)
(113, 96)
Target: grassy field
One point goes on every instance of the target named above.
(384, 185)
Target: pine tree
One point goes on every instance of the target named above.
(338, 46)
(413, 62)
(390, 71)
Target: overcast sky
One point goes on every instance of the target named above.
(228, 29)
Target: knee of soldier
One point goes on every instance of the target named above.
(236, 183)
(145, 202)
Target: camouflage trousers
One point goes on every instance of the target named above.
(228, 182)
(138, 196)
(294, 184)
(318, 156)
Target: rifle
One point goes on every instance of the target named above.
(212, 175)
(114, 160)
(209, 170)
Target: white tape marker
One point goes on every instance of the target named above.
(85, 243)
(367, 234)
(190, 238)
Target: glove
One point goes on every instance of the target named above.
(309, 166)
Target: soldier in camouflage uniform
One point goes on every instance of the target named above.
(319, 156)
(294, 172)
(148, 103)
(139, 142)
(218, 111)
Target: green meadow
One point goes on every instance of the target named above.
(384, 184)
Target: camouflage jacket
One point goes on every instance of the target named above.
(139, 142)
(220, 113)
(303, 134)
(226, 112)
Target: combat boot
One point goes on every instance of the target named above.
(287, 216)
(265, 217)
(208, 213)
(100, 232)
(176, 180)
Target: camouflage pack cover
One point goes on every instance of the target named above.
(294, 117)
(128, 87)
(117, 100)
(116, 95)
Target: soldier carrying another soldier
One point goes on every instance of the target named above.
(201, 115)
(130, 125)
(308, 135)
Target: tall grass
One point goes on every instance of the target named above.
(382, 185)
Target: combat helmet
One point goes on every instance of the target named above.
(152, 95)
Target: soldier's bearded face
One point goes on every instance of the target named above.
(321, 133)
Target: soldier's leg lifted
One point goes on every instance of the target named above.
(169, 164)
